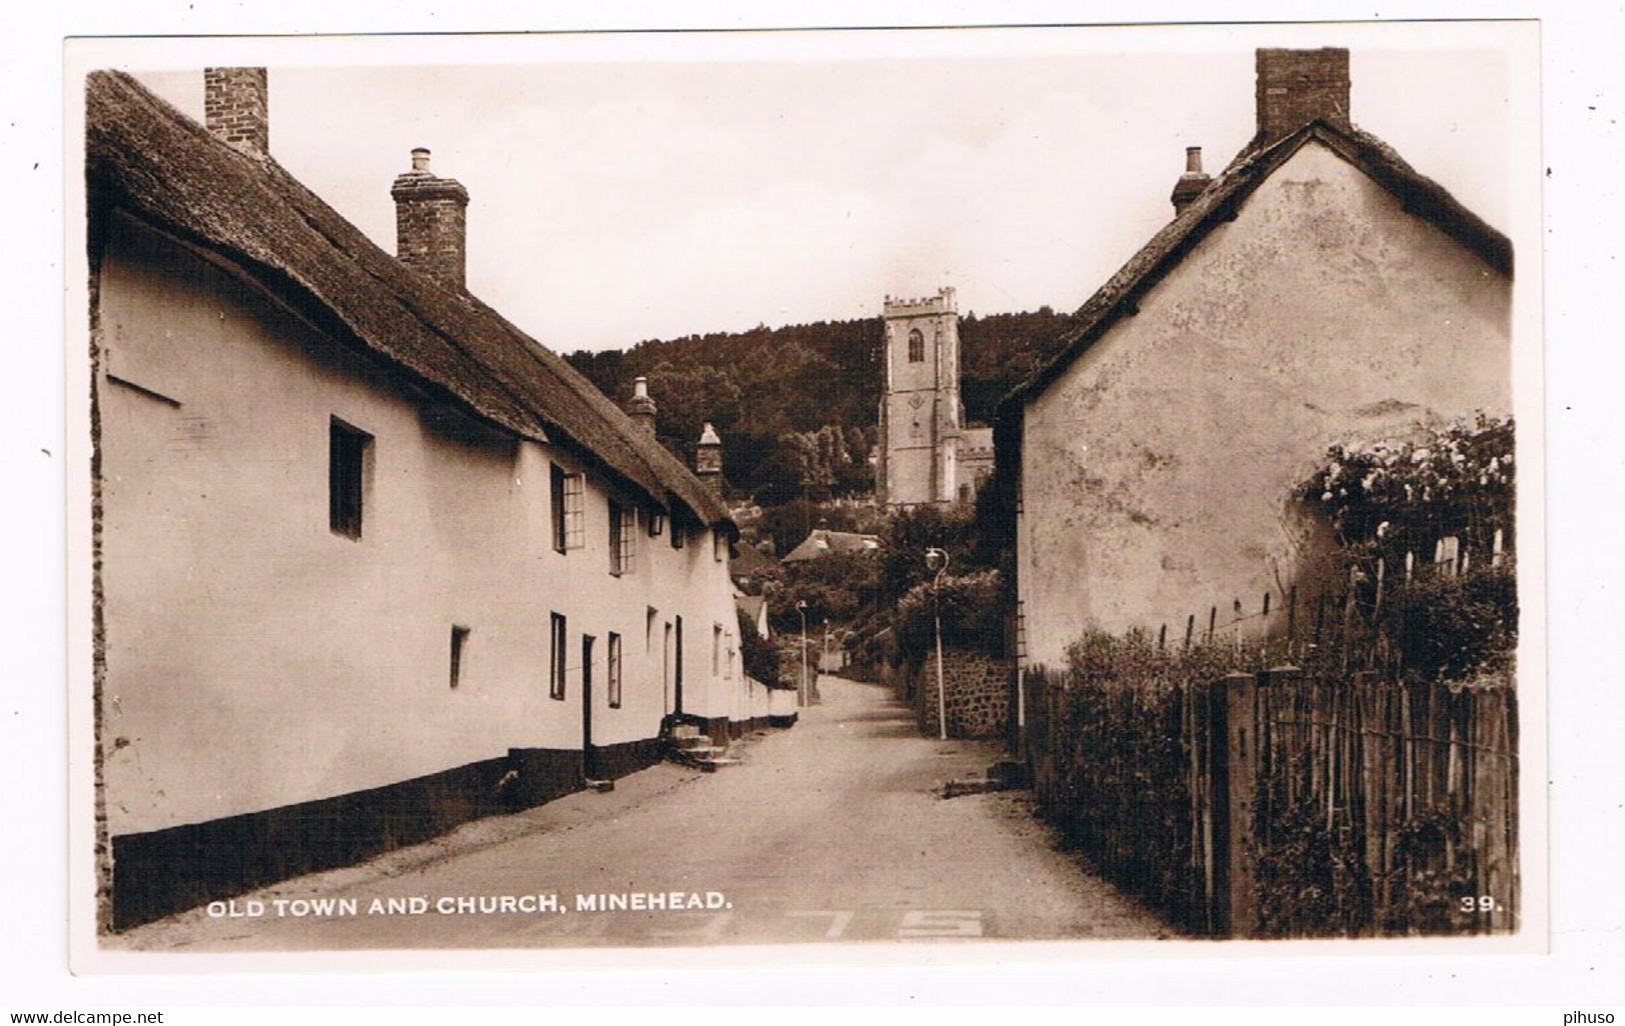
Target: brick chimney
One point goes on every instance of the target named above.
(1297, 86)
(235, 108)
(708, 459)
(1192, 182)
(642, 409)
(430, 222)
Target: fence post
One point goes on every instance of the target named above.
(1235, 781)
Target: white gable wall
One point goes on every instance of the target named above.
(1156, 468)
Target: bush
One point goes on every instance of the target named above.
(972, 615)
(1456, 627)
(835, 587)
(760, 656)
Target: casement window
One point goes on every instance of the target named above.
(623, 538)
(657, 523)
(559, 655)
(348, 449)
(459, 644)
(569, 496)
(916, 346)
(614, 654)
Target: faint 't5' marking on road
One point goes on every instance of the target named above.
(913, 925)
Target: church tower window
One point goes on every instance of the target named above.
(916, 346)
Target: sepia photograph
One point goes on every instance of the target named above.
(830, 488)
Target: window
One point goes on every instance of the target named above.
(716, 650)
(677, 533)
(614, 670)
(916, 346)
(569, 514)
(623, 538)
(459, 639)
(657, 523)
(555, 687)
(649, 619)
(719, 546)
(347, 452)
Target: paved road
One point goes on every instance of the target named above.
(833, 830)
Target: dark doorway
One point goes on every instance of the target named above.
(589, 755)
(677, 672)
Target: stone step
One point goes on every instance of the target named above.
(685, 730)
(714, 764)
(690, 743)
(975, 785)
(702, 752)
(601, 786)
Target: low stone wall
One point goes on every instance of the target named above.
(978, 693)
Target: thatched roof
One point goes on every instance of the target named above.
(149, 160)
(1217, 204)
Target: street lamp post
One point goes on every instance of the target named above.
(801, 694)
(936, 560)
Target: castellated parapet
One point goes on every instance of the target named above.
(941, 303)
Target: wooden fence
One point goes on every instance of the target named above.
(1336, 625)
(1277, 803)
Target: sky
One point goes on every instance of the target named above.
(633, 187)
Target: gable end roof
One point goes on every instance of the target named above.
(1220, 202)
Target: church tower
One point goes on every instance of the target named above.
(920, 418)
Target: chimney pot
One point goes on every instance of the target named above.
(642, 409)
(708, 459)
(431, 222)
(1192, 183)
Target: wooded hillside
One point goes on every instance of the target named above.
(797, 406)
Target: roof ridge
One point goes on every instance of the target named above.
(1418, 194)
(162, 167)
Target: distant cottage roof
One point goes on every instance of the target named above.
(146, 158)
(749, 561)
(1120, 295)
(822, 543)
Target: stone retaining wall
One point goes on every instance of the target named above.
(978, 698)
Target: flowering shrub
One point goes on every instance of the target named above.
(1395, 497)
(1388, 501)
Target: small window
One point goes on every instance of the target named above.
(677, 534)
(560, 650)
(719, 546)
(649, 619)
(459, 643)
(569, 513)
(614, 670)
(916, 346)
(346, 477)
(716, 650)
(657, 523)
(622, 538)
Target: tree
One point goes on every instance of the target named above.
(760, 658)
